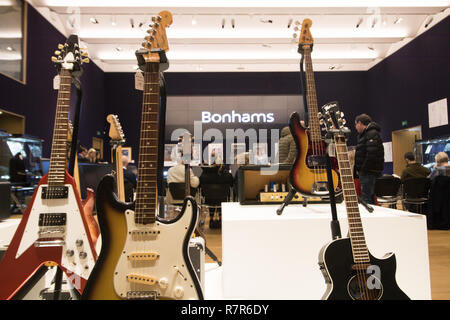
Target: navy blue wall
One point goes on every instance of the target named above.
(36, 100)
(401, 86)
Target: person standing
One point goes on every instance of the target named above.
(369, 156)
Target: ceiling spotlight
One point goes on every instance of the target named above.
(371, 47)
(359, 22)
(331, 67)
(398, 20)
(223, 23)
(194, 21)
(119, 49)
(10, 48)
(132, 23)
(113, 21)
(240, 68)
(232, 23)
(289, 23)
(374, 22)
(266, 20)
(266, 45)
(428, 22)
(93, 20)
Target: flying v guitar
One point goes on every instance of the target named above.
(143, 257)
(350, 271)
(53, 229)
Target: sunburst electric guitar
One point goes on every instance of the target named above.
(53, 229)
(350, 270)
(308, 174)
(142, 256)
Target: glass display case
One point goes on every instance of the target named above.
(426, 150)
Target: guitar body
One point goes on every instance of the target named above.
(336, 261)
(172, 270)
(304, 178)
(88, 209)
(33, 245)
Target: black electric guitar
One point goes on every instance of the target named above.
(350, 271)
(143, 256)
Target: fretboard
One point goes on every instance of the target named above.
(147, 193)
(58, 157)
(356, 232)
(311, 98)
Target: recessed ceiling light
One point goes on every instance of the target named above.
(359, 22)
(428, 22)
(194, 21)
(240, 68)
(10, 48)
(119, 49)
(398, 20)
(371, 48)
(266, 45)
(331, 67)
(93, 20)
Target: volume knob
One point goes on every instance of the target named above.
(163, 283)
(70, 253)
(178, 292)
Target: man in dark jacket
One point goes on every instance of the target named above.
(287, 150)
(413, 169)
(369, 156)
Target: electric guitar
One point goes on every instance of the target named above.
(143, 256)
(88, 203)
(53, 229)
(308, 174)
(117, 140)
(350, 270)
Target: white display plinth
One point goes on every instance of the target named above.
(7, 230)
(266, 256)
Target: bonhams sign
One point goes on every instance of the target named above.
(235, 117)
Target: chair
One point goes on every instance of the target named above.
(438, 216)
(212, 196)
(178, 193)
(387, 190)
(415, 194)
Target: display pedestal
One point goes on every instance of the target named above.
(267, 256)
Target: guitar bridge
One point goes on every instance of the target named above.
(142, 295)
(320, 188)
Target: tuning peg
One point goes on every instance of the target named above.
(54, 59)
(294, 36)
(57, 52)
(60, 46)
(85, 60)
(85, 54)
(297, 23)
(144, 44)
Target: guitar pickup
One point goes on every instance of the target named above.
(316, 161)
(52, 219)
(55, 192)
(143, 256)
(141, 279)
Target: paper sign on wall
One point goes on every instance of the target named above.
(387, 151)
(437, 113)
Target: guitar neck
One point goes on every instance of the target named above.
(119, 174)
(358, 242)
(58, 157)
(311, 98)
(147, 193)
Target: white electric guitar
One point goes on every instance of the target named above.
(53, 229)
(142, 256)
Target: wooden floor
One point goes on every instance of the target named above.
(438, 247)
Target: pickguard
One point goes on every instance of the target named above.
(76, 254)
(167, 276)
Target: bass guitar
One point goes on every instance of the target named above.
(143, 256)
(308, 174)
(53, 229)
(350, 270)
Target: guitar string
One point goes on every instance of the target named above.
(344, 163)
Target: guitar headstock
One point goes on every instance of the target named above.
(185, 146)
(333, 120)
(157, 38)
(115, 129)
(70, 56)
(305, 39)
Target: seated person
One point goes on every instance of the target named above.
(129, 180)
(176, 175)
(17, 170)
(413, 169)
(215, 174)
(441, 168)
